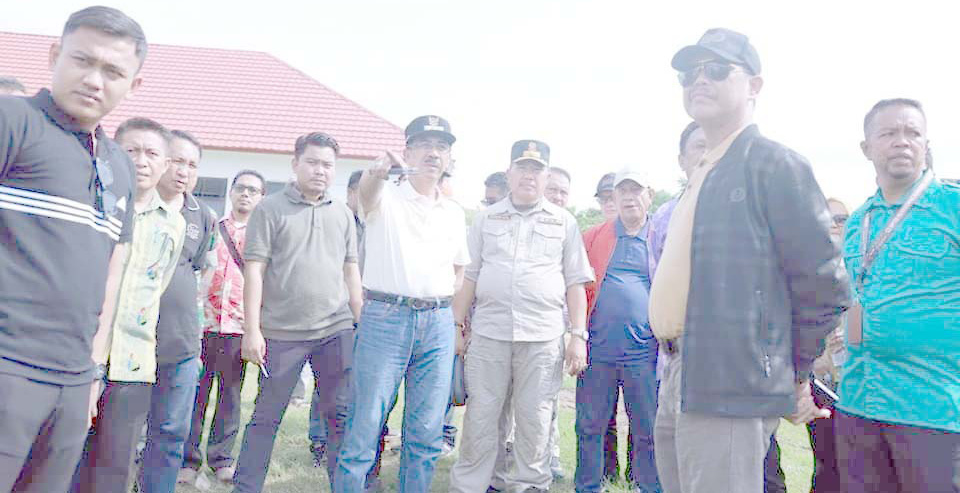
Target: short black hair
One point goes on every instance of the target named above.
(253, 173)
(187, 136)
(886, 103)
(11, 84)
(318, 139)
(110, 21)
(354, 179)
(498, 179)
(145, 124)
(685, 135)
(560, 171)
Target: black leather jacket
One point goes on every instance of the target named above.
(767, 283)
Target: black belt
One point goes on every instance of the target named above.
(415, 303)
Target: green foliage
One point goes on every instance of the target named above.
(588, 218)
(660, 198)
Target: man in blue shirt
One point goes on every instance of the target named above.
(621, 349)
(899, 412)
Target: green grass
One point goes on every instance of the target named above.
(291, 470)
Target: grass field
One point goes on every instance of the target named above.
(291, 470)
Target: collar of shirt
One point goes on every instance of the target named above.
(409, 193)
(540, 206)
(229, 220)
(292, 191)
(44, 101)
(641, 235)
(156, 203)
(713, 155)
(878, 202)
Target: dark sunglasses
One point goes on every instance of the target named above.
(840, 219)
(106, 201)
(715, 71)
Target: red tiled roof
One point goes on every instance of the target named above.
(229, 99)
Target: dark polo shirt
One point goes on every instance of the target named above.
(179, 328)
(54, 245)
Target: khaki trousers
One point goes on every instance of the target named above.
(529, 374)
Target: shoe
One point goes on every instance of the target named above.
(534, 489)
(186, 475)
(298, 402)
(556, 469)
(225, 474)
(319, 453)
(491, 489)
(446, 449)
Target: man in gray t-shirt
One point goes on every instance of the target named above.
(301, 253)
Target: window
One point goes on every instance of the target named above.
(212, 192)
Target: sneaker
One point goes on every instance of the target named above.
(534, 489)
(225, 474)
(186, 475)
(319, 453)
(556, 469)
(446, 449)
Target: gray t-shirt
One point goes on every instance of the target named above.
(305, 246)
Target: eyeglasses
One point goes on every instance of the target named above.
(714, 71)
(422, 145)
(604, 198)
(243, 188)
(106, 201)
(840, 219)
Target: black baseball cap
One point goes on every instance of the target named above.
(605, 184)
(427, 125)
(530, 150)
(725, 44)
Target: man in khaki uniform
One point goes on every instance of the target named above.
(527, 258)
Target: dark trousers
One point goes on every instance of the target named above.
(331, 361)
(774, 481)
(42, 429)
(221, 362)
(597, 388)
(107, 463)
(611, 462)
(823, 441)
(879, 457)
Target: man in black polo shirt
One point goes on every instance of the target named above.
(179, 328)
(66, 199)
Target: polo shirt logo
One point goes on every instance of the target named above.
(738, 194)
(193, 231)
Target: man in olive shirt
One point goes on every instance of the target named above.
(527, 260)
(302, 296)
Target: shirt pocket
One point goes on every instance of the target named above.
(497, 239)
(547, 242)
(925, 256)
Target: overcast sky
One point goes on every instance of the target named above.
(590, 78)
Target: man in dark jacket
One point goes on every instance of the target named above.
(748, 284)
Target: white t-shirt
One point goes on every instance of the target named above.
(413, 242)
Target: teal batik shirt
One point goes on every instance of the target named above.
(907, 368)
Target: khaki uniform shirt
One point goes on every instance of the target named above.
(671, 284)
(522, 264)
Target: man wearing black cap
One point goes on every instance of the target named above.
(527, 258)
(748, 284)
(415, 254)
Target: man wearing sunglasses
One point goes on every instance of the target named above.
(747, 286)
(66, 200)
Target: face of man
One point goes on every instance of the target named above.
(896, 143)
(182, 175)
(693, 150)
(607, 205)
(708, 100)
(246, 193)
(148, 151)
(92, 73)
(632, 201)
(315, 170)
(838, 216)
(527, 180)
(558, 189)
(429, 156)
(494, 194)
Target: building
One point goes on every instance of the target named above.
(246, 107)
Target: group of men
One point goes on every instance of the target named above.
(118, 289)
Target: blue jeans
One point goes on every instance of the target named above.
(396, 342)
(168, 424)
(597, 388)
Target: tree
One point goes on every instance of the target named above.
(588, 218)
(659, 198)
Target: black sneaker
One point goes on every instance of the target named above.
(319, 453)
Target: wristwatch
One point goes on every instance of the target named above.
(581, 333)
(100, 372)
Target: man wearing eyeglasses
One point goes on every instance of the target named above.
(415, 254)
(748, 284)
(604, 197)
(179, 331)
(220, 348)
(66, 201)
(527, 261)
